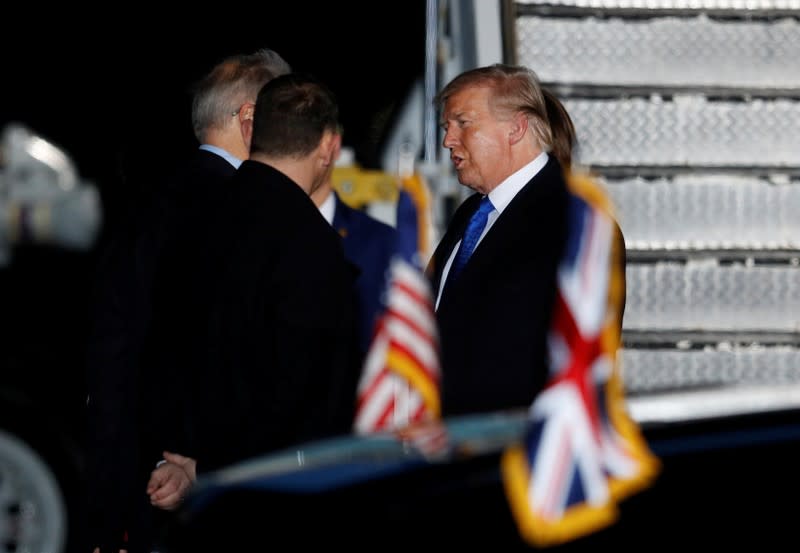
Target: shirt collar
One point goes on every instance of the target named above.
(502, 195)
(328, 208)
(224, 154)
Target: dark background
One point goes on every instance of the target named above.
(115, 93)
(112, 90)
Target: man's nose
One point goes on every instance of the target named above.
(449, 139)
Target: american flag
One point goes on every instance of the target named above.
(581, 453)
(400, 378)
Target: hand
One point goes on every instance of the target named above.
(429, 437)
(187, 463)
(170, 481)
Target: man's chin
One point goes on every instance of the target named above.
(469, 185)
(462, 180)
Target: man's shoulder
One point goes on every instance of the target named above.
(361, 221)
(202, 170)
(267, 179)
(283, 206)
(205, 164)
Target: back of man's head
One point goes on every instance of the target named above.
(292, 114)
(229, 85)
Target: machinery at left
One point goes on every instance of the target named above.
(49, 222)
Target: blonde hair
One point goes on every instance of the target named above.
(515, 89)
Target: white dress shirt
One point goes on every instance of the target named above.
(500, 197)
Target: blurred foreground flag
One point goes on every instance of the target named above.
(581, 452)
(400, 378)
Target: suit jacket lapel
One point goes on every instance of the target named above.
(508, 231)
(517, 215)
(451, 237)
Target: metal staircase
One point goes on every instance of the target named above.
(689, 113)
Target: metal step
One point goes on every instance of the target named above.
(647, 8)
(748, 213)
(687, 131)
(646, 371)
(723, 256)
(705, 296)
(674, 54)
(695, 340)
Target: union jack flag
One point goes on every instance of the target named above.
(581, 453)
(400, 378)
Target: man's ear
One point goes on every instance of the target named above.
(330, 148)
(246, 123)
(246, 111)
(338, 148)
(518, 127)
(247, 133)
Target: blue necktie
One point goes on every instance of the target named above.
(474, 229)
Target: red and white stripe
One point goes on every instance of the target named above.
(403, 355)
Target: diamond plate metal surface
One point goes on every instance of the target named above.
(668, 51)
(687, 131)
(707, 212)
(648, 371)
(702, 295)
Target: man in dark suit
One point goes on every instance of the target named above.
(369, 244)
(494, 308)
(119, 511)
(260, 353)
